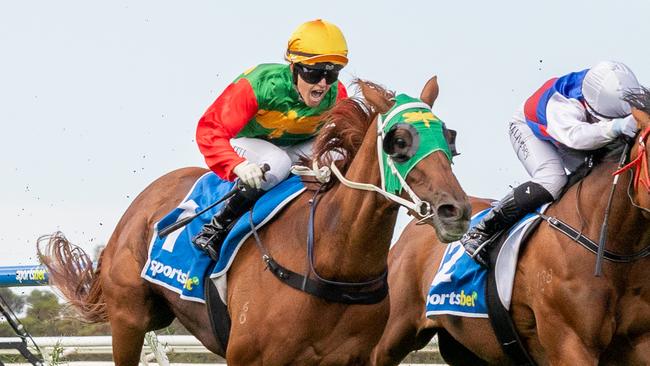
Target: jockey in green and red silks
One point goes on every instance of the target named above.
(268, 117)
(262, 103)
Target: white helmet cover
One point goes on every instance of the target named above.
(603, 88)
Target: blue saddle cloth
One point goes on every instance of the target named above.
(458, 288)
(176, 264)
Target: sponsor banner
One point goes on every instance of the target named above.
(23, 276)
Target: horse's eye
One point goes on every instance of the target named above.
(400, 143)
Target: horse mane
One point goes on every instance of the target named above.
(610, 152)
(639, 99)
(345, 126)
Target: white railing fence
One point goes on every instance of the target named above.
(156, 347)
(56, 348)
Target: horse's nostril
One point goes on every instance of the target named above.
(448, 211)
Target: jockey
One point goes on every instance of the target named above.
(269, 116)
(568, 115)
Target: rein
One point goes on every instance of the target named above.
(368, 292)
(640, 164)
(591, 245)
(323, 174)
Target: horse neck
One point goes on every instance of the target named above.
(359, 224)
(628, 231)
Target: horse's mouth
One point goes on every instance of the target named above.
(450, 231)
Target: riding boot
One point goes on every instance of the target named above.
(515, 205)
(211, 236)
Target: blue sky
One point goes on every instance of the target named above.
(97, 99)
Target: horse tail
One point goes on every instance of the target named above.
(71, 272)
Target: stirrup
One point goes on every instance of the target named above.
(483, 246)
(206, 243)
(208, 248)
(482, 253)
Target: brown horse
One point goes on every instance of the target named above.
(563, 313)
(272, 323)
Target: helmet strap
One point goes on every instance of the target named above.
(295, 81)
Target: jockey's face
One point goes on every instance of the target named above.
(312, 94)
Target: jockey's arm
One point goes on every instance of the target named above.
(223, 120)
(567, 123)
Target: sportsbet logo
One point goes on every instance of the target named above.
(167, 271)
(35, 274)
(454, 299)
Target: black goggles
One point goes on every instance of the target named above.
(313, 75)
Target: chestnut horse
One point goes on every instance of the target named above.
(272, 323)
(563, 313)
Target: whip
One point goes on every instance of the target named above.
(180, 223)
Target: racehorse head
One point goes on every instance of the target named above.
(640, 102)
(412, 149)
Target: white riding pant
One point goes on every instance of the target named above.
(540, 158)
(279, 158)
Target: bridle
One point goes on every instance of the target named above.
(639, 164)
(421, 207)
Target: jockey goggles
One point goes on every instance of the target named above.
(314, 74)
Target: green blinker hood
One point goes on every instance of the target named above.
(430, 129)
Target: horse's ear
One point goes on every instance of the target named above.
(430, 91)
(376, 96)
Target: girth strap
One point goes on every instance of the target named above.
(353, 293)
(217, 312)
(500, 318)
(367, 292)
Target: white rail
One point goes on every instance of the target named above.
(155, 348)
(171, 344)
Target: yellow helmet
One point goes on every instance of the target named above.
(317, 41)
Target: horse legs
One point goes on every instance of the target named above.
(131, 306)
(572, 351)
(454, 353)
(129, 324)
(399, 340)
(392, 347)
(127, 343)
(563, 346)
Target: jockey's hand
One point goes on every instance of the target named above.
(250, 174)
(625, 126)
